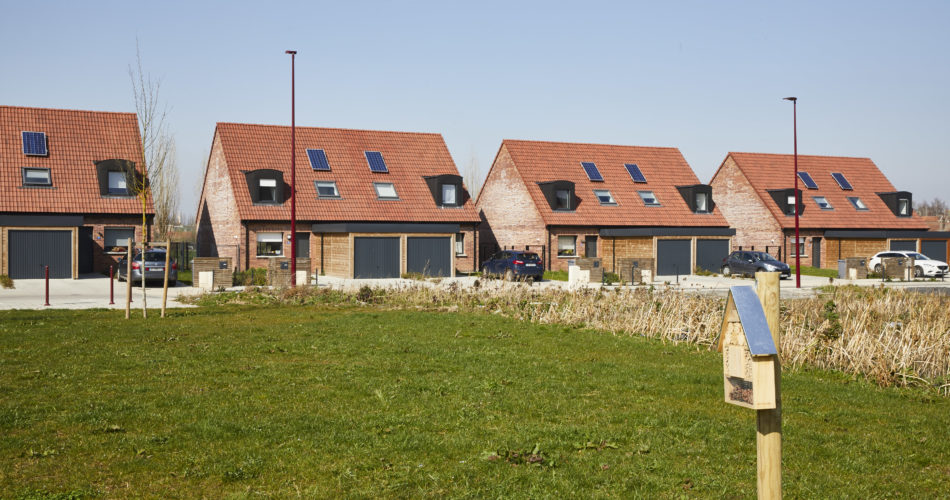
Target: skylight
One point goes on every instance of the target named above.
(604, 197)
(318, 159)
(649, 198)
(857, 203)
(635, 172)
(592, 173)
(822, 203)
(326, 189)
(385, 191)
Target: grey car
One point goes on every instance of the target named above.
(153, 268)
(747, 262)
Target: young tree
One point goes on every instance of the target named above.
(159, 176)
(472, 176)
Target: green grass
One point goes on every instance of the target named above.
(814, 271)
(248, 401)
(555, 275)
(184, 276)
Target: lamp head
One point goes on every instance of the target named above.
(290, 52)
(793, 99)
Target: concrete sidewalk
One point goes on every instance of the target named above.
(87, 292)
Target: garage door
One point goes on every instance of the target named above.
(934, 249)
(672, 257)
(905, 245)
(709, 254)
(429, 255)
(32, 250)
(375, 257)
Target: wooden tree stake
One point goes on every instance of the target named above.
(769, 422)
(168, 251)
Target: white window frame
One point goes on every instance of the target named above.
(26, 170)
(269, 237)
(858, 204)
(647, 194)
(122, 183)
(827, 204)
(459, 244)
(599, 193)
(450, 188)
(563, 246)
(383, 185)
(318, 184)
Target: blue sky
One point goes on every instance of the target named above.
(873, 78)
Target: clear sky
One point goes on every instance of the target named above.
(873, 78)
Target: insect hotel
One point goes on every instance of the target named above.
(748, 352)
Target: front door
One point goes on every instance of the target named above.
(816, 253)
(590, 246)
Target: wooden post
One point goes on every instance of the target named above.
(769, 422)
(168, 251)
(144, 309)
(128, 280)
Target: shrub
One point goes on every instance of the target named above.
(255, 276)
(6, 281)
(611, 278)
(703, 272)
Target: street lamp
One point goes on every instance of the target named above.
(293, 177)
(798, 264)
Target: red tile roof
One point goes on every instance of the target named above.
(76, 140)
(664, 169)
(776, 171)
(409, 156)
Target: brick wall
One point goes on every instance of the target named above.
(337, 256)
(219, 230)
(507, 210)
(559, 263)
(466, 262)
(102, 257)
(626, 248)
(743, 209)
(851, 248)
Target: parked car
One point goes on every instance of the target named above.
(745, 262)
(514, 264)
(923, 265)
(153, 269)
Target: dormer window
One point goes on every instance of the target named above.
(702, 202)
(267, 190)
(903, 207)
(900, 203)
(118, 184)
(562, 199)
(786, 199)
(266, 186)
(449, 194)
(790, 205)
(698, 197)
(36, 177)
(559, 194)
(446, 190)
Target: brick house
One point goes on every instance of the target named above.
(65, 178)
(571, 200)
(370, 204)
(848, 208)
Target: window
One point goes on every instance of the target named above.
(459, 243)
(448, 194)
(801, 247)
(563, 199)
(702, 202)
(857, 203)
(822, 203)
(267, 191)
(903, 207)
(385, 191)
(566, 246)
(270, 244)
(36, 177)
(649, 198)
(326, 189)
(116, 239)
(604, 196)
(790, 205)
(118, 184)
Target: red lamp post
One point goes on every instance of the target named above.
(293, 177)
(798, 201)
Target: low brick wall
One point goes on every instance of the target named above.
(896, 267)
(594, 266)
(278, 271)
(626, 267)
(222, 267)
(858, 263)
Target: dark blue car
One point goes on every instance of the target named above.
(514, 264)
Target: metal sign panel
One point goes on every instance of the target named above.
(753, 320)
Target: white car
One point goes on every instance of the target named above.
(923, 265)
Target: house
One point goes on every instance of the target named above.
(369, 204)
(66, 178)
(569, 200)
(848, 208)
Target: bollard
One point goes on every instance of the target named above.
(47, 286)
(111, 287)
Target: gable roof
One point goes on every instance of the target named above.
(663, 168)
(775, 171)
(409, 156)
(76, 141)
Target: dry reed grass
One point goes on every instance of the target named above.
(889, 336)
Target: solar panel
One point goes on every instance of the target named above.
(838, 176)
(635, 172)
(809, 182)
(318, 159)
(34, 143)
(376, 163)
(592, 173)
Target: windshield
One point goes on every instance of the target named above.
(764, 257)
(918, 256)
(533, 257)
(151, 257)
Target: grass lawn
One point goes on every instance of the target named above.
(248, 401)
(814, 271)
(555, 275)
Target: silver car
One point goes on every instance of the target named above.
(153, 268)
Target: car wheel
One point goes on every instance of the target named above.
(509, 275)
(918, 272)
(877, 269)
(726, 271)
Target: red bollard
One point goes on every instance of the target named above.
(47, 286)
(111, 287)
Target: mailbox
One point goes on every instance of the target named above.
(285, 265)
(748, 352)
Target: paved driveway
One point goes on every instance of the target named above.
(89, 291)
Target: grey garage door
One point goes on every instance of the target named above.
(375, 257)
(709, 254)
(429, 255)
(672, 257)
(32, 250)
(905, 245)
(934, 249)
